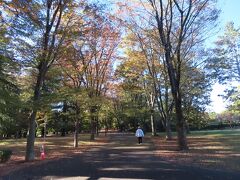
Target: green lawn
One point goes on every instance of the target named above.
(54, 145)
(215, 148)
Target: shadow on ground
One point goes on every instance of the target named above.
(122, 158)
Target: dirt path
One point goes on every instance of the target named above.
(122, 159)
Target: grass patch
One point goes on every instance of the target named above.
(55, 147)
(228, 132)
(216, 149)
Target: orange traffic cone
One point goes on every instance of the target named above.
(42, 153)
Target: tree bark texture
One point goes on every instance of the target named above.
(45, 61)
(32, 124)
(77, 122)
(76, 133)
(93, 123)
(168, 130)
(174, 82)
(153, 124)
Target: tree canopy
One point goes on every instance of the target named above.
(71, 66)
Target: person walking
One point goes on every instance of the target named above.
(139, 134)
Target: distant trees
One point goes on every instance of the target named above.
(180, 26)
(223, 64)
(66, 50)
(235, 102)
(178, 29)
(39, 28)
(92, 43)
(131, 89)
(61, 70)
(224, 61)
(196, 88)
(10, 102)
(149, 76)
(39, 33)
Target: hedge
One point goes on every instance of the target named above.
(5, 155)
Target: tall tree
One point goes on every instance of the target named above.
(103, 38)
(132, 102)
(176, 21)
(9, 90)
(235, 102)
(142, 51)
(224, 63)
(224, 60)
(196, 90)
(92, 43)
(154, 57)
(38, 30)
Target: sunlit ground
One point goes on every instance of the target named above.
(217, 149)
(55, 147)
(87, 178)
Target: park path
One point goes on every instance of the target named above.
(122, 158)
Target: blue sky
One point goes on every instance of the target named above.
(230, 12)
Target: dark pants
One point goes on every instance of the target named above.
(139, 140)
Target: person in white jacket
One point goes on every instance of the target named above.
(139, 134)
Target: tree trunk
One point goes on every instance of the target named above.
(45, 130)
(76, 133)
(92, 137)
(168, 130)
(31, 138)
(174, 82)
(77, 122)
(106, 127)
(173, 69)
(93, 129)
(151, 105)
(182, 140)
(187, 127)
(42, 132)
(93, 122)
(63, 132)
(97, 126)
(106, 131)
(153, 124)
(65, 108)
(32, 124)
